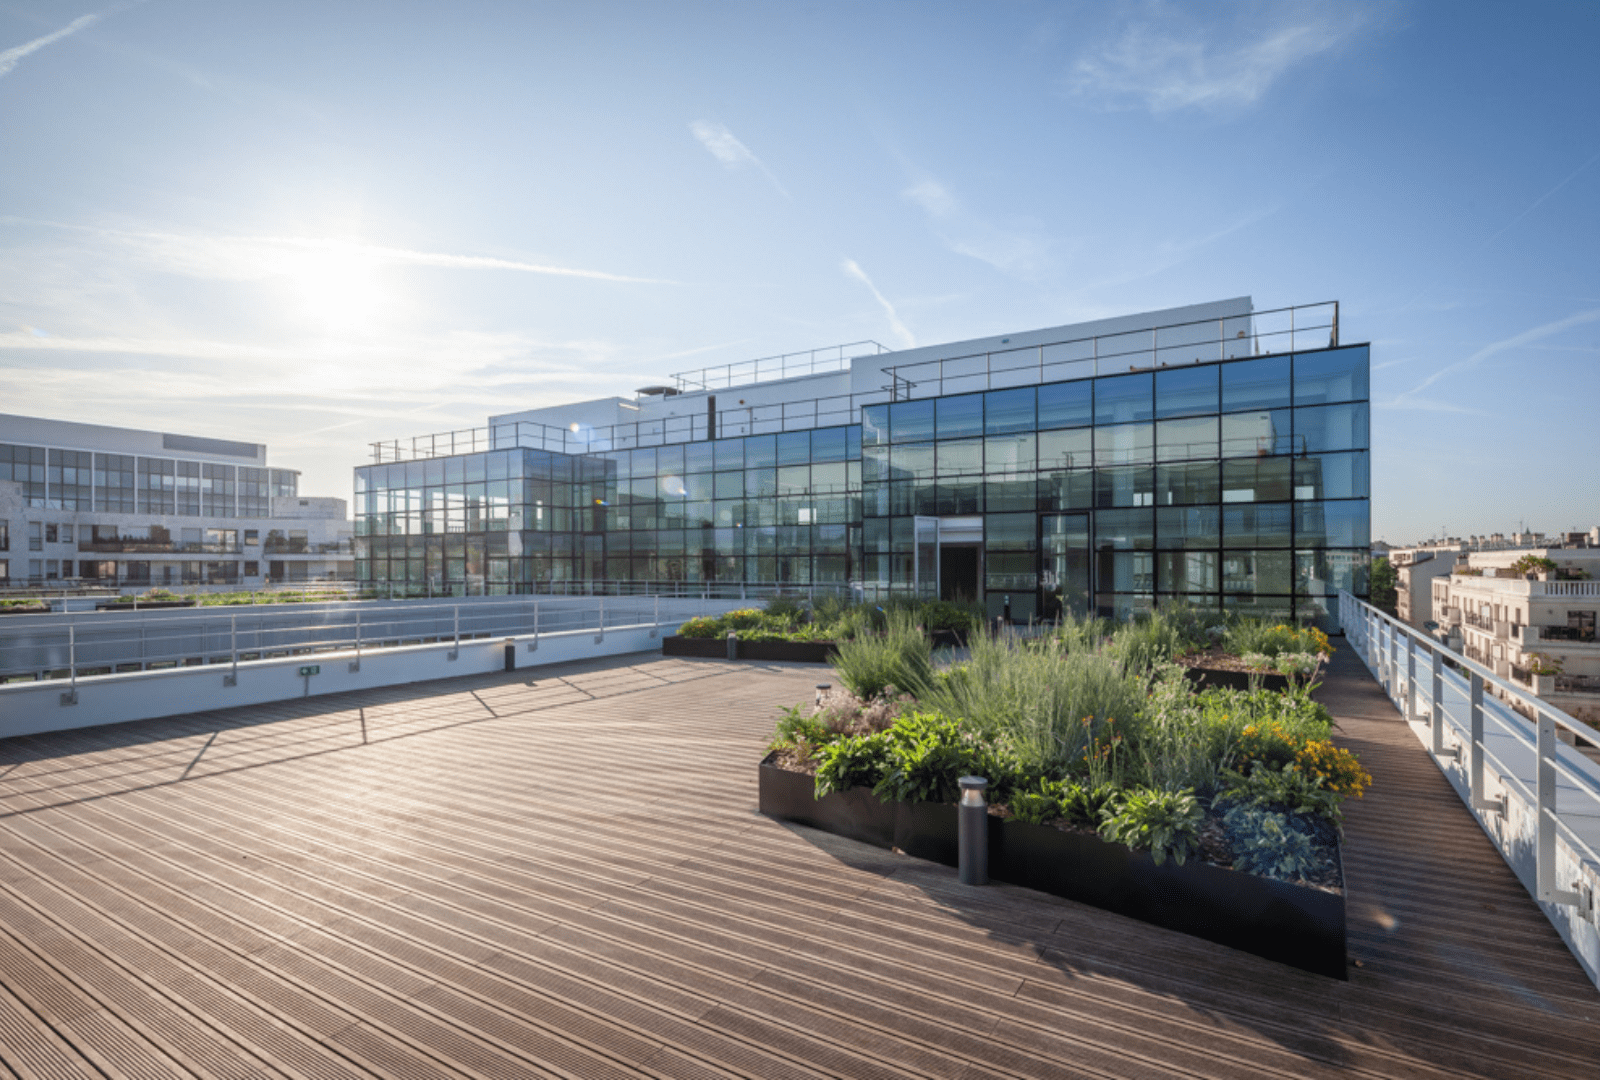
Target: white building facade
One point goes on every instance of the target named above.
(120, 507)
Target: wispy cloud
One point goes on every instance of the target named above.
(726, 148)
(250, 258)
(966, 233)
(12, 56)
(1166, 61)
(1410, 399)
(907, 338)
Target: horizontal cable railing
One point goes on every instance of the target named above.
(1497, 752)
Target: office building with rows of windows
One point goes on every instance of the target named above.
(122, 507)
(1213, 454)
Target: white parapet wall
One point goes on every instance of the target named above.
(30, 708)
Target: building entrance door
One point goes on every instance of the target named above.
(1064, 577)
(958, 573)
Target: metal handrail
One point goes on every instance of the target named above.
(782, 366)
(1392, 650)
(1104, 354)
(842, 409)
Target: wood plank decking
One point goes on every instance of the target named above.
(560, 872)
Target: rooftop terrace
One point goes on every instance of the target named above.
(561, 872)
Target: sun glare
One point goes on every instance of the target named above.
(335, 289)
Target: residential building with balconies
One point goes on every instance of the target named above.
(1536, 629)
(120, 507)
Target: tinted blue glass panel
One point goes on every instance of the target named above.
(1263, 525)
(760, 452)
(644, 463)
(1122, 398)
(1333, 524)
(874, 425)
(1332, 476)
(1330, 427)
(960, 416)
(1255, 384)
(830, 444)
(852, 443)
(698, 457)
(1325, 377)
(1069, 404)
(794, 448)
(1255, 434)
(1009, 410)
(669, 460)
(1124, 530)
(1188, 527)
(1187, 391)
(911, 421)
(729, 453)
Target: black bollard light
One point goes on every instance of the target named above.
(733, 645)
(973, 836)
(511, 654)
(1008, 607)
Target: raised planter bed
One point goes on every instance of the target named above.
(1296, 925)
(1236, 680)
(143, 605)
(794, 652)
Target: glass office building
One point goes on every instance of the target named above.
(1215, 466)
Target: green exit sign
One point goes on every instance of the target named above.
(311, 669)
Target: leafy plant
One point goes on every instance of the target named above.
(1288, 789)
(857, 761)
(743, 619)
(1269, 844)
(1166, 823)
(929, 754)
(804, 733)
(786, 609)
(1246, 636)
(701, 627)
(939, 615)
(1533, 564)
(1085, 804)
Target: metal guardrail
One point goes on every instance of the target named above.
(1493, 752)
(785, 366)
(67, 647)
(1230, 337)
(1275, 331)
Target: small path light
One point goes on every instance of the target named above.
(973, 840)
(733, 645)
(822, 692)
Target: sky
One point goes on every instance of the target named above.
(317, 225)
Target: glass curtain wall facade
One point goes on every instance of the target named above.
(1241, 483)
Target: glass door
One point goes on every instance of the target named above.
(925, 572)
(1064, 582)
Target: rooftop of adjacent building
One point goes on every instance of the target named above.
(103, 438)
(829, 387)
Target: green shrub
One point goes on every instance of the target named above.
(1269, 844)
(857, 761)
(901, 657)
(787, 609)
(937, 615)
(1166, 823)
(929, 754)
(701, 627)
(803, 732)
(743, 619)
(1045, 707)
(1288, 789)
(1036, 805)
(1085, 804)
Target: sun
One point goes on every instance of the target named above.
(335, 288)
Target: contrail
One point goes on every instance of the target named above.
(9, 58)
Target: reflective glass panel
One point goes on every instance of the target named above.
(1186, 391)
(1067, 404)
(1188, 527)
(959, 457)
(1255, 384)
(1124, 529)
(1257, 525)
(1129, 485)
(1122, 398)
(1253, 434)
(1256, 480)
(832, 444)
(1333, 524)
(1124, 444)
(794, 448)
(1332, 476)
(1004, 454)
(1069, 449)
(1181, 485)
(910, 421)
(960, 416)
(1009, 410)
(1330, 427)
(1325, 377)
(1184, 440)
(1187, 573)
(907, 461)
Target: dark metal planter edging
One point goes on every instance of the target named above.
(793, 652)
(1204, 678)
(1292, 924)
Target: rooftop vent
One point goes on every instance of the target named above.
(657, 391)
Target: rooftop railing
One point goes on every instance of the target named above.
(1280, 330)
(1536, 797)
(786, 366)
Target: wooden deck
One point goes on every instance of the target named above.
(561, 873)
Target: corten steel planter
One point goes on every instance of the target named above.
(1292, 924)
(793, 652)
(1236, 680)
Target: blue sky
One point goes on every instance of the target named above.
(317, 225)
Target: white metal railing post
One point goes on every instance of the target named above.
(1477, 751)
(655, 630)
(601, 636)
(356, 664)
(233, 645)
(1436, 662)
(456, 650)
(1412, 706)
(1545, 827)
(72, 660)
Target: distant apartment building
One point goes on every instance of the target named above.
(1415, 571)
(121, 507)
(1538, 630)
